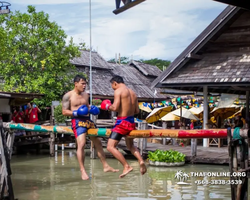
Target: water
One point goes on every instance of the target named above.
(44, 178)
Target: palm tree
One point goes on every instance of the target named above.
(185, 176)
(179, 175)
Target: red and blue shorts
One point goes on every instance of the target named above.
(123, 126)
(81, 125)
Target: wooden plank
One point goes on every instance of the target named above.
(127, 6)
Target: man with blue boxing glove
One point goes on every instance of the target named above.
(75, 103)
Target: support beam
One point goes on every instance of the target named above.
(129, 4)
(239, 3)
(205, 115)
(194, 56)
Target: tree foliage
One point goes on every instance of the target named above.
(123, 59)
(35, 57)
(157, 62)
(59, 117)
(161, 64)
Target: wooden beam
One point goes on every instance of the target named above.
(127, 6)
(239, 3)
(240, 88)
(194, 56)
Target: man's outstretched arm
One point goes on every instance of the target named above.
(66, 105)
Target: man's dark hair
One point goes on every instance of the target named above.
(117, 79)
(78, 78)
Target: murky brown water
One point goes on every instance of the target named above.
(41, 177)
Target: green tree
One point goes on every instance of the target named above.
(38, 58)
(124, 60)
(2, 43)
(157, 62)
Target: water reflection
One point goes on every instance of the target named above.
(41, 177)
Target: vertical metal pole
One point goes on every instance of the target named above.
(90, 55)
(205, 114)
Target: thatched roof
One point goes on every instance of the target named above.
(217, 58)
(97, 61)
(146, 69)
(133, 77)
(136, 81)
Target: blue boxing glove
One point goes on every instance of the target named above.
(94, 110)
(83, 110)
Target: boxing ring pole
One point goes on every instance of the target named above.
(148, 133)
(90, 55)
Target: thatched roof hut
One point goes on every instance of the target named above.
(137, 76)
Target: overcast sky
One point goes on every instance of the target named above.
(152, 29)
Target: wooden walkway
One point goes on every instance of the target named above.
(205, 155)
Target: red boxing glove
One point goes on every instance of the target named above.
(105, 104)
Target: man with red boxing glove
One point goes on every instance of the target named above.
(126, 104)
(76, 104)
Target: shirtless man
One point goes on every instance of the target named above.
(126, 104)
(76, 104)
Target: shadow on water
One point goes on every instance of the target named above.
(58, 178)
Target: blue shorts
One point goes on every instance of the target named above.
(81, 125)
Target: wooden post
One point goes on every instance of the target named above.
(93, 154)
(230, 152)
(52, 123)
(10, 141)
(138, 139)
(6, 183)
(205, 115)
(247, 105)
(164, 126)
(52, 144)
(242, 189)
(143, 141)
(193, 147)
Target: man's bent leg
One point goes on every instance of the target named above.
(101, 155)
(111, 147)
(81, 141)
(136, 153)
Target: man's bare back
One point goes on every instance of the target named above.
(128, 101)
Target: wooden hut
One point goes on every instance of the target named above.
(218, 58)
(217, 61)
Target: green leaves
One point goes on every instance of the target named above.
(59, 117)
(166, 156)
(34, 56)
(161, 64)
